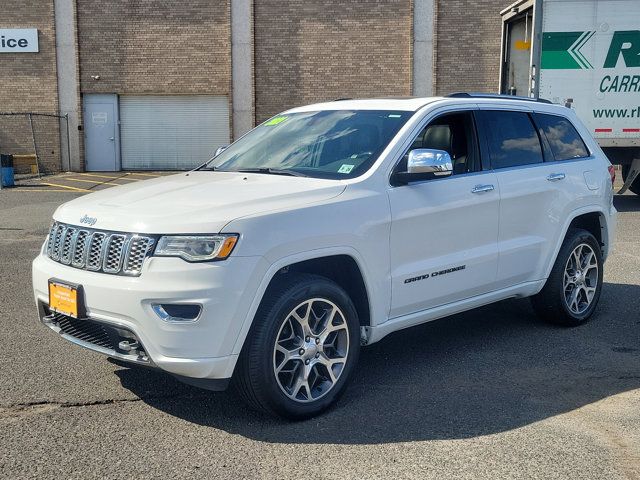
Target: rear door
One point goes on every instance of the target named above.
(444, 230)
(535, 196)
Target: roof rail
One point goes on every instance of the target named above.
(496, 95)
(341, 99)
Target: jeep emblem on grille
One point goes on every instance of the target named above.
(87, 220)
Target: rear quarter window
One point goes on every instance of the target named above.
(563, 138)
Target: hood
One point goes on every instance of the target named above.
(194, 202)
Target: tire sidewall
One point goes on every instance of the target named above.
(290, 298)
(581, 237)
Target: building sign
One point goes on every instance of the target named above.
(18, 40)
(99, 119)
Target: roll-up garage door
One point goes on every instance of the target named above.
(171, 132)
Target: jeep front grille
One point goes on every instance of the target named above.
(97, 250)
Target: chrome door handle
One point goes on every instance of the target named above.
(111, 138)
(554, 177)
(482, 188)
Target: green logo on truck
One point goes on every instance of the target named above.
(627, 44)
(562, 50)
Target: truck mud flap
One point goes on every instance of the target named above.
(634, 171)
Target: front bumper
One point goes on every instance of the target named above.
(197, 350)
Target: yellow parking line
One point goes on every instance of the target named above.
(145, 174)
(119, 177)
(65, 186)
(95, 182)
(38, 190)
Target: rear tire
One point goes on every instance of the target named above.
(571, 293)
(301, 348)
(635, 186)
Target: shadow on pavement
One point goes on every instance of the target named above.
(486, 371)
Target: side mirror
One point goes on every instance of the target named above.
(219, 150)
(423, 164)
(425, 160)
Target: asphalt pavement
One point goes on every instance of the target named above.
(491, 393)
(76, 182)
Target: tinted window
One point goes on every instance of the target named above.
(512, 139)
(564, 140)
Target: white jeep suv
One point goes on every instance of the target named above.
(326, 228)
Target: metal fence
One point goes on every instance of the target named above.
(38, 141)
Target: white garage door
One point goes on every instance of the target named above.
(171, 132)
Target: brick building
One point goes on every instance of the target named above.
(162, 83)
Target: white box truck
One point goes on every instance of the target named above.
(584, 54)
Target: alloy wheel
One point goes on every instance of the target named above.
(311, 350)
(580, 279)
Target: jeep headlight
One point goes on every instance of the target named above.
(196, 248)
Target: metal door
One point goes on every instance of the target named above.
(101, 133)
(172, 132)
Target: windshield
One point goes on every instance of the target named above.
(333, 144)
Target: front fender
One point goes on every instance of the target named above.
(283, 262)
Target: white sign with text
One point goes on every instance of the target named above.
(19, 40)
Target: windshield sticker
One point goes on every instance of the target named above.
(276, 120)
(345, 168)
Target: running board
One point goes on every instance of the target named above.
(371, 335)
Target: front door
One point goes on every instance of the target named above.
(100, 133)
(444, 231)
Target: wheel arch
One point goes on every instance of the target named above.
(592, 219)
(344, 271)
(341, 265)
(593, 222)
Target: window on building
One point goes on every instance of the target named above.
(512, 139)
(563, 138)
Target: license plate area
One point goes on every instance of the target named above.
(66, 298)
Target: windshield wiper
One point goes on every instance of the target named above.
(271, 171)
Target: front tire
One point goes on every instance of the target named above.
(573, 288)
(301, 349)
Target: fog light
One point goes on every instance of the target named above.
(177, 312)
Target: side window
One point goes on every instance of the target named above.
(512, 139)
(563, 138)
(455, 134)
